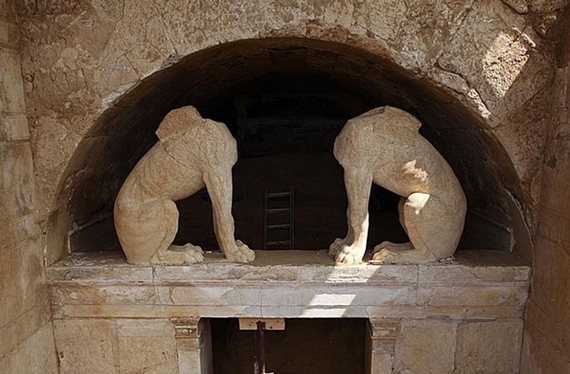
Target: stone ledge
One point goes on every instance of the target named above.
(474, 267)
(290, 284)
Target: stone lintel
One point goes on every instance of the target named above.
(475, 267)
(289, 284)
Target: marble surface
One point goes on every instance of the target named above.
(384, 147)
(191, 153)
(468, 310)
(289, 284)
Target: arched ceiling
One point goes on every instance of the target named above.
(213, 78)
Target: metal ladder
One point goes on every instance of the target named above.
(279, 217)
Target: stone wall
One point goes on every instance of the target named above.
(493, 59)
(26, 336)
(461, 317)
(547, 331)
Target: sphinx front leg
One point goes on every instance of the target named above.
(219, 186)
(351, 249)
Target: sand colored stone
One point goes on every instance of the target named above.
(78, 58)
(383, 146)
(140, 314)
(192, 153)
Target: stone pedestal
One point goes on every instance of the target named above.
(436, 318)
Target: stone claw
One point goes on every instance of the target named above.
(240, 253)
(345, 254)
(179, 255)
(336, 247)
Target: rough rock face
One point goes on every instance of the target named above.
(26, 342)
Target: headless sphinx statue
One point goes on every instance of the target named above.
(192, 153)
(383, 146)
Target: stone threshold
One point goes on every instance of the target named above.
(477, 284)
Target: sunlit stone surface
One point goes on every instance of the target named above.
(192, 153)
(383, 146)
(480, 291)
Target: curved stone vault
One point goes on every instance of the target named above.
(103, 75)
(214, 78)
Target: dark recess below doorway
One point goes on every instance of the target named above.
(306, 346)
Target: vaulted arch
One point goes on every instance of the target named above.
(216, 78)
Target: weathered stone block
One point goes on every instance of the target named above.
(6, 8)
(555, 200)
(540, 356)
(550, 325)
(21, 278)
(340, 297)
(99, 269)
(287, 266)
(11, 88)
(34, 355)
(23, 326)
(546, 5)
(86, 346)
(550, 280)
(447, 311)
(473, 275)
(310, 288)
(17, 229)
(381, 18)
(473, 296)
(8, 33)
(428, 27)
(16, 180)
(489, 347)
(112, 295)
(306, 312)
(194, 345)
(555, 226)
(159, 311)
(426, 347)
(146, 346)
(380, 364)
(218, 295)
(507, 74)
(381, 335)
(14, 127)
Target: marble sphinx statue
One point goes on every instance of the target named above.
(192, 153)
(383, 146)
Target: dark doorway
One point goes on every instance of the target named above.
(306, 346)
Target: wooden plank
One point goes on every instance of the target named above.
(270, 323)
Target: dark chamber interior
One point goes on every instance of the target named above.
(285, 127)
(285, 101)
(306, 346)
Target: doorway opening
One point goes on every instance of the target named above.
(319, 345)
